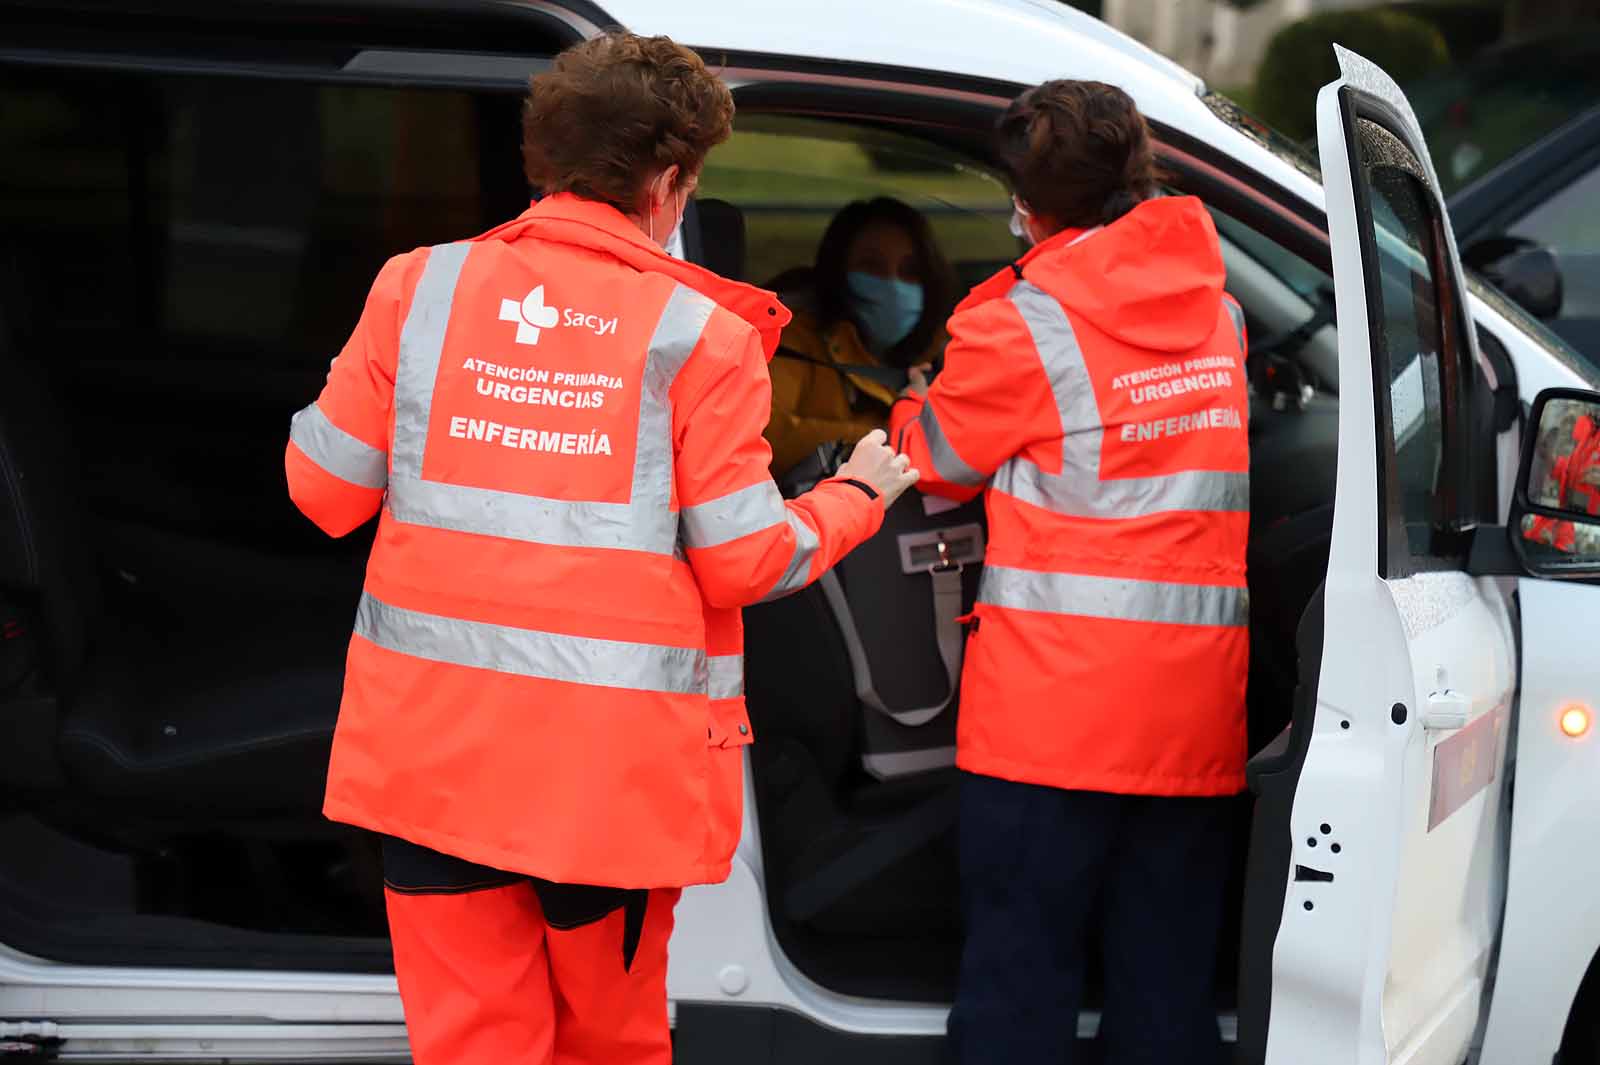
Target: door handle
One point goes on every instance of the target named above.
(1447, 710)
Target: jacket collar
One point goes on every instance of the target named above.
(568, 219)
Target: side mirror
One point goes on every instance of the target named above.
(1523, 270)
(1555, 518)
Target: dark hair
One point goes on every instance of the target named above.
(1078, 152)
(832, 263)
(614, 111)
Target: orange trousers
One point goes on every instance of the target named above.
(486, 980)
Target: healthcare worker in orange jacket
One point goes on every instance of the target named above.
(559, 426)
(1575, 478)
(1097, 389)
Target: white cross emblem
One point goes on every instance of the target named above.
(531, 315)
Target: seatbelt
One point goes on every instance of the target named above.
(945, 573)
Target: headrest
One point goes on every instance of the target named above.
(722, 248)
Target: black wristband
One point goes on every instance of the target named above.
(872, 493)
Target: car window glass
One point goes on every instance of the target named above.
(1411, 338)
(1568, 220)
(1568, 223)
(187, 255)
(790, 176)
(1305, 279)
(231, 219)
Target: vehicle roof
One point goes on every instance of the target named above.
(1019, 41)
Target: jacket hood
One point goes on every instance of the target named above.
(1152, 279)
(567, 219)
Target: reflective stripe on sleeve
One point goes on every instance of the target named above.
(531, 653)
(799, 569)
(336, 451)
(735, 515)
(1079, 492)
(1236, 315)
(1115, 598)
(950, 467)
(727, 676)
(421, 347)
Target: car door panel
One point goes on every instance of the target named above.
(1388, 917)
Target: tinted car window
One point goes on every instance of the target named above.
(1569, 224)
(1412, 339)
(791, 175)
(223, 219)
(187, 254)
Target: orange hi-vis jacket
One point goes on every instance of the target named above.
(1098, 389)
(562, 426)
(1577, 481)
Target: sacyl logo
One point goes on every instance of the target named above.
(531, 315)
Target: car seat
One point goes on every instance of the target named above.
(853, 687)
(225, 713)
(713, 236)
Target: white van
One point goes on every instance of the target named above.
(194, 199)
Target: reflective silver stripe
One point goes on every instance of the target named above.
(1237, 316)
(644, 523)
(1078, 491)
(727, 676)
(950, 467)
(1114, 597)
(892, 764)
(1074, 494)
(677, 332)
(799, 570)
(421, 346)
(1057, 347)
(336, 451)
(723, 520)
(532, 519)
(531, 653)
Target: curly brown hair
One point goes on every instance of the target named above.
(1079, 152)
(616, 110)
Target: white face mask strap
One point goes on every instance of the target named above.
(677, 198)
(1020, 216)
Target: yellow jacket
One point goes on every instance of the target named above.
(812, 404)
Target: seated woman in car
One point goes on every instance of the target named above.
(877, 296)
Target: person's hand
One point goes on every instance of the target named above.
(875, 463)
(917, 380)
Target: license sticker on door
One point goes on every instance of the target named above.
(1465, 764)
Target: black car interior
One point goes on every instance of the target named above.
(174, 632)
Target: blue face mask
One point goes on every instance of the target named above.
(887, 309)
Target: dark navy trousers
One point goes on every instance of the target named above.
(1039, 867)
